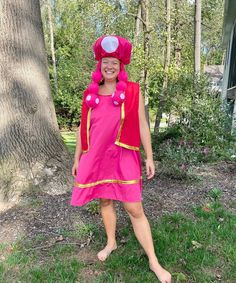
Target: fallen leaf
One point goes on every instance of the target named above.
(206, 208)
(196, 245)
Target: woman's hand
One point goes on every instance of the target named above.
(74, 168)
(150, 168)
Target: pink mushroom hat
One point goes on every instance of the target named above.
(110, 46)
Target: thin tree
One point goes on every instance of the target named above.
(142, 20)
(176, 31)
(138, 22)
(50, 22)
(32, 153)
(145, 5)
(197, 37)
(162, 100)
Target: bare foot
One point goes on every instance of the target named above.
(163, 275)
(104, 254)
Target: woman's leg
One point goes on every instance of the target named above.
(109, 219)
(142, 232)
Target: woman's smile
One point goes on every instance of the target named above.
(110, 68)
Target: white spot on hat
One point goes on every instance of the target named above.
(122, 95)
(116, 103)
(97, 100)
(88, 97)
(110, 44)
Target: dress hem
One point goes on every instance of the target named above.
(96, 198)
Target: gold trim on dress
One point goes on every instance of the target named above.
(127, 146)
(117, 142)
(88, 126)
(76, 184)
(122, 121)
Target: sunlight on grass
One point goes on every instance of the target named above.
(69, 140)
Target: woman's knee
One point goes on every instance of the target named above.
(106, 202)
(134, 209)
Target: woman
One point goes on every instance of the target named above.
(107, 162)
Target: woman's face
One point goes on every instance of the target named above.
(110, 68)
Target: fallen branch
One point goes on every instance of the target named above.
(50, 245)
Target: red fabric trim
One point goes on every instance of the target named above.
(130, 133)
(83, 125)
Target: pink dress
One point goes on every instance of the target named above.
(107, 170)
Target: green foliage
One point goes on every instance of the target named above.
(78, 23)
(93, 207)
(211, 28)
(215, 194)
(199, 128)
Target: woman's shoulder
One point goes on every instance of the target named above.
(129, 83)
(133, 86)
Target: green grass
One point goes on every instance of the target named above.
(196, 249)
(70, 140)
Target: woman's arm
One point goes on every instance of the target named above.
(78, 150)
(146, 139)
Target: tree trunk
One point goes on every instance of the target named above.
(32, 152)
(138, 23)
(146, 40)
(161, 103)
(233, 129)
(197, 38)
(52, 46)
(176, 31)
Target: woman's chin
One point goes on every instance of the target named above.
(110, 78)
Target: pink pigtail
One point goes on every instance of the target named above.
(92, 98)
(118, 97)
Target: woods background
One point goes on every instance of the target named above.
(162, 33)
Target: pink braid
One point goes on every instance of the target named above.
(92, 98)
(118, 97)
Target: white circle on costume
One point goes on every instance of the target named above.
(116, 103)
(110, 44)
(97, 100)
(113, 94)
(122, 95)
(88, 97)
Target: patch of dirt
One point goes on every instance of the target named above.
(88, 275)
(87, 256)
(48, 215)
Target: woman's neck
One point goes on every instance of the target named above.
(110, 86)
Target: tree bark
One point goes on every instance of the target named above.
(176, 30)
(161, 103)
(197, 38)
(138, 22)
(233, 128)
(32, 153)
